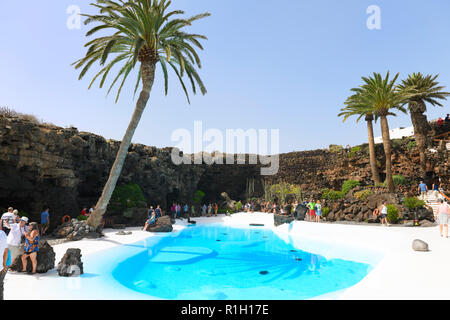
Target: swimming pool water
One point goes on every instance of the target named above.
(219, 262)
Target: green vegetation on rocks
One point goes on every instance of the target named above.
(392, 213)
(413, 203)
(349, 185)
(363, 194)
(198, 196)
(127, 196)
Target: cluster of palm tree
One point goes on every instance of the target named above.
(144, 34)
(379, 97)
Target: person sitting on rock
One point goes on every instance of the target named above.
(150, 221)
(376, 212)
(84, 212)
(31, 248)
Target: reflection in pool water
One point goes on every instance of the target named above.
(245, 264)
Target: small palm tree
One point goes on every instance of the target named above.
(354, 106)
(142, 32)
(425, 89)
(383, 96)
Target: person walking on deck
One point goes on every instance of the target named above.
(45, 221)
(423, 189)
(383, 215)
(443, 214)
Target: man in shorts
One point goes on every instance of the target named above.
(45, 221)
(15, 237)
(383, 214)
(423, 190)
(312, 212)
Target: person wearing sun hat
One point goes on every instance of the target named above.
(15, 237)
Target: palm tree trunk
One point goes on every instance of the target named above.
(387, 152)
(421, 129)
(148, 77)
(372, 155)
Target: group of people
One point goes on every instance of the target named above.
(441, 121)
(15, 230)
(85, 212)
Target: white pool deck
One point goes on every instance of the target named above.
(400, 274)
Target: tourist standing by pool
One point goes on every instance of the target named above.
(312, 212)
(7, 217)
(178, 210)
(193, 210)
(443, 216)
(186, 210)
(15, 237)
(216, 209)
(3, 258)
(158, 212)
(423, 189)
(31, 248)
(173, 210)
(16, 217)
(384, 214)
(318, 211)
(45, 221)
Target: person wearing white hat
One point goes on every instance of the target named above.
(15, 237)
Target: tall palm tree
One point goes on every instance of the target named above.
(142, 31)
(425, 89)
(383, 96)
(353, 106)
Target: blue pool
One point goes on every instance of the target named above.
(219, 262)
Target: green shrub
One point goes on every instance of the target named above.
(325, 212)
(396, 144)
(392, 213)
(238, 206)
(349, 185)
(82, 218)
(413, 203)
(127, 196)
(198, 196)
(354, 151)
(411, 145)
(399, 180)
(332, 194)
(336, 148)
(363, 194)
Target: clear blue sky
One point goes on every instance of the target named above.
(267, 64)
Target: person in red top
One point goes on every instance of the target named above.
(440, 122)
(84, 212)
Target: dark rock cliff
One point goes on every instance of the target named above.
(66, 169)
